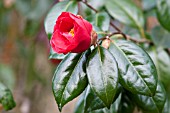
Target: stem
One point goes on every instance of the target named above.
(111, 34)
(85, 2)
(127, 37)
(136, 40)
(116, 28)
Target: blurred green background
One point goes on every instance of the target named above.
(24, 49)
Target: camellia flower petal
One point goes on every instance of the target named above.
(71, 33)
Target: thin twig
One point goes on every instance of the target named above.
(116, 28)
(139, 41)
(127, 37)
(120, 32)
(85, 2)
(108, 36)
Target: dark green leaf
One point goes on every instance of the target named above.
(153, 104)
(102, 74)
(137, 70)
(166, 106)
(122, 105)
(118, 92)
(162, 62)
(69, 6)
(103, 20)
(126, 105)
(70, 78)
(115, 106)
(104, 110)
(89, 101)
(79, 108)
(163, 13)
(6, 98)
(92, 102)
(160, 37)
(54, 55)
(126, 12)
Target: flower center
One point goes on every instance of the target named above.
(71, 32)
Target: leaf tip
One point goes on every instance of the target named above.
(108, 105)
(60, 107)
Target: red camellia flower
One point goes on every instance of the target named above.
(71, 34)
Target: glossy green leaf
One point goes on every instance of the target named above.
(54, 55)
(126, 12)
(126, 105)
(153, 104)
(6, 98)
(160, 37)
(137, 70)
(118, 92)
(92, 102)
(121, 105)
(79, 107)
(104, 110)
(70, 78)
(166, 106)
(88, 100)
(163, 13)
(69, 6)
(103, 20)
(162, 62)
(102, 74)
(115, 106)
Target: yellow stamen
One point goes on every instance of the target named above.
(72, 32)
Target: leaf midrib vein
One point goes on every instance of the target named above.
(104, 82)
(132, 66)
(71, 76)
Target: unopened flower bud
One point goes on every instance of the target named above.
(106, 43)
(93, 38)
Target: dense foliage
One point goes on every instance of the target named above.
(117, 75)
(127, 69)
